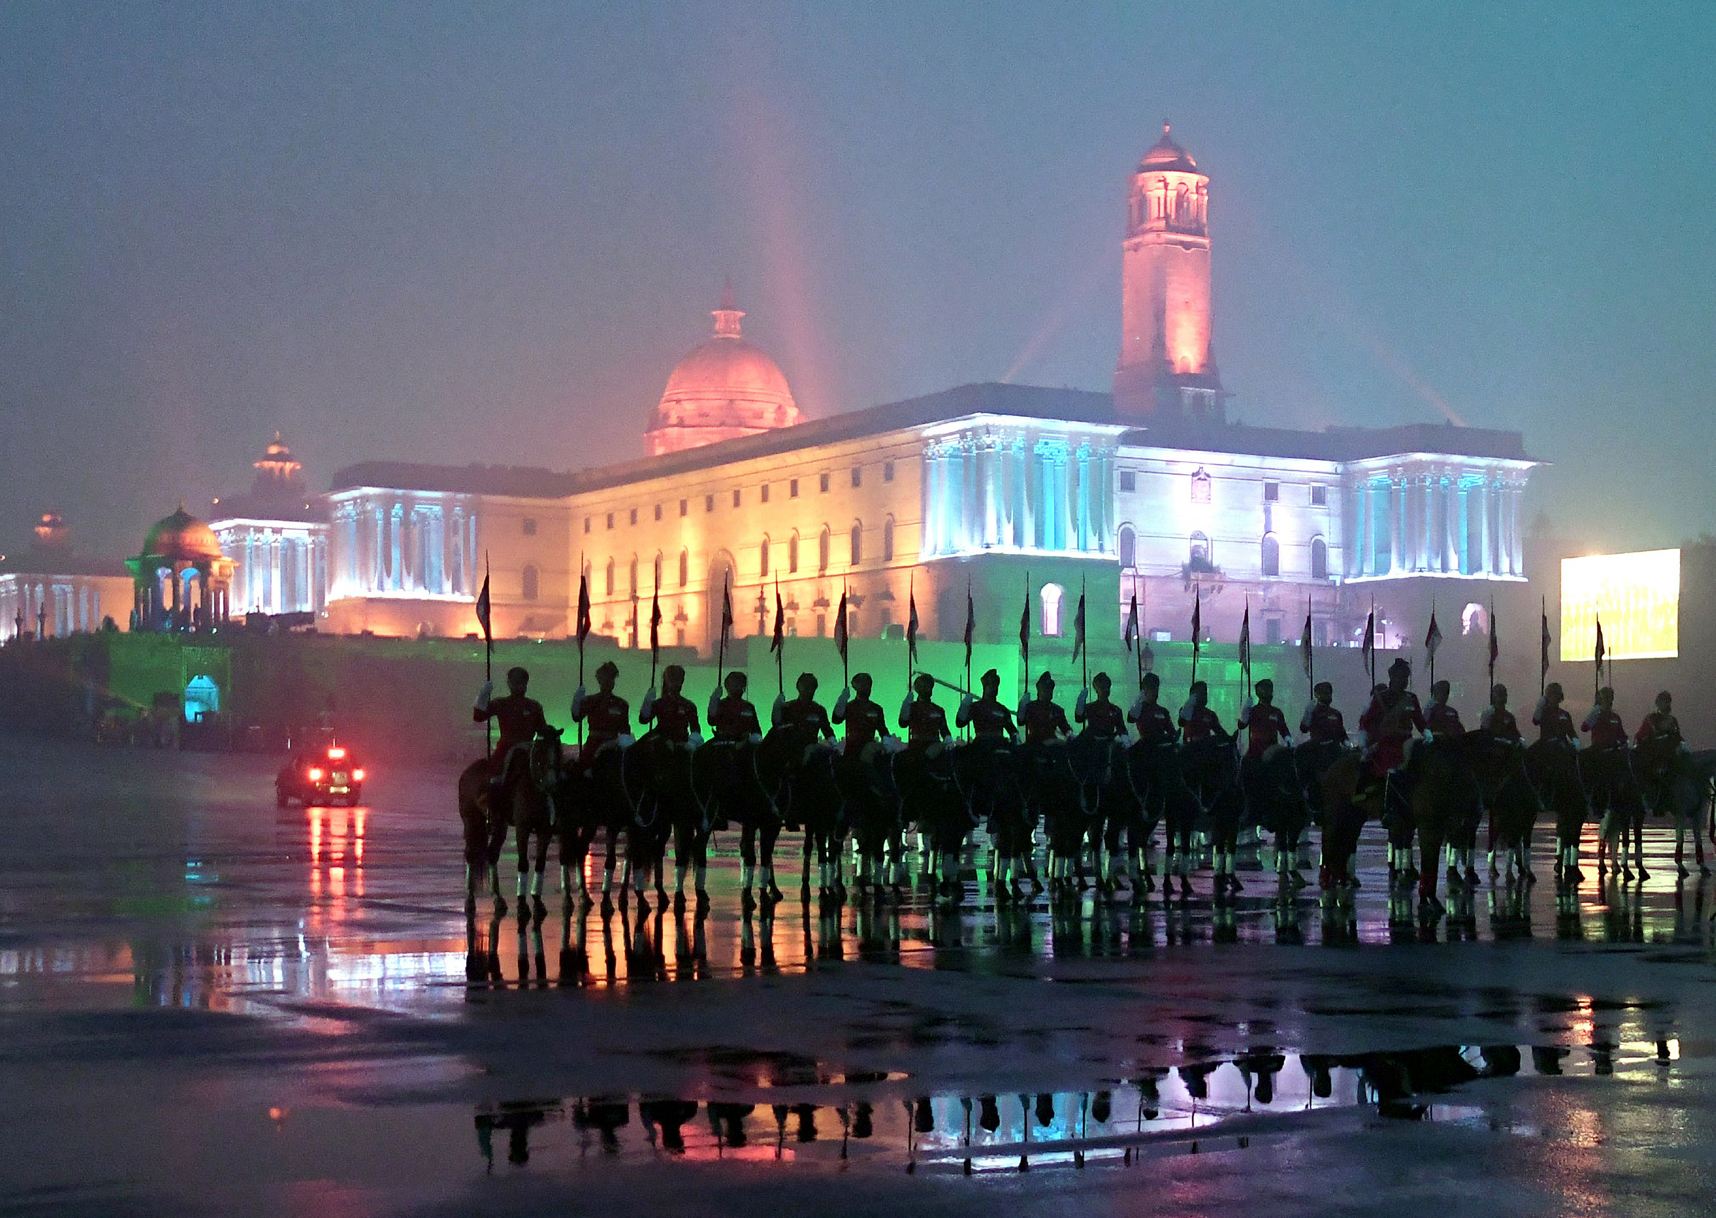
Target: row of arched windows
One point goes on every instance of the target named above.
(1200, 554)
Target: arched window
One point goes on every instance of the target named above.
(1128, 548)
(888, 540)
(610, 580)
(1271, 555)
(1319, 558)
(823, 545)
(857, 542)
(632, 576)
(1052, 596)
(763, 556)
(684, 567)
(529, 589)
(792, 553)
(1201, 557)
(1200, 487)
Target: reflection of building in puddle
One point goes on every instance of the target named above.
(1208, 1104)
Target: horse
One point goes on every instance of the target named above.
(871, 798)
(530, 805)
(1684, 791)
(1442, 799)
(1553, 767)
(603, 792)
(1618, 802)
(737, 781)
(1054, 795)
(1211, 772)
(1159, 779)
(485, 833)
(1275, 801)
(1505, 789)
(1347, 805)
(932, 798)
(991, 774)
(1111, 802)
(811, 797)
(1311, 760)
(659, 770)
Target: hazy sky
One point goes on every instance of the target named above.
(483, 232)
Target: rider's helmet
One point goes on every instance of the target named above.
(1553, 692)
(1323, 692)
(923, 685)
(1440, 691)
(735, 683)
(1266, 688)
(1045, 685)
(608, 673)
(1498, 694)
(1152, 681)
(861, 684)
(1402, 668)
(1606, 697)
(1664, 701)
(1100, 683)
(991, 681)
(673, 678)
(807, 685)
(517, 680)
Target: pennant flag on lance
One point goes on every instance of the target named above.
(840, 627)
(1131, 633)
(912, 626)
(1078, 629)
(483, 610)
(970, 627)
(583, 606)
(1306, 656)
(1369, 652)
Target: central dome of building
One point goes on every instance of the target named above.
(1165, 154)
(723, 389)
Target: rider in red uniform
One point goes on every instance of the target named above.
(520, 718)
(1497, 720)
(1605, 726)
(924, 721)
(1389, 721)
(1441, 720)
(1661, 724)
(673, 714)
(1042, 719)
(1155, 725)
(1102, 719)
(607, 714)
(986, 716)
(864, 720)
(1264, 724)
(1322, 723)
(1553, 722)
(803, 716)
(1197, 721)
(733, 718)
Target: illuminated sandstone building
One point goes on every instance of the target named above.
(277, 534)
(50, 589)
(1144, 492)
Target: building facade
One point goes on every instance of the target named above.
(276, 534)
(993, 492)
(50, 590)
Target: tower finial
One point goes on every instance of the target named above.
(728, 315)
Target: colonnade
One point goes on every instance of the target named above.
(1435, 522)
(388, 544)
(988, 489)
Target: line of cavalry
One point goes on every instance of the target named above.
(1097, 793)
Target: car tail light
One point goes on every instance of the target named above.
(315, 774)
(357, 775)
(335, 753)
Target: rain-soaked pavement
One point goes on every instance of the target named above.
(209, 1005)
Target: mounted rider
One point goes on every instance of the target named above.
(1198, 723)
(1041, 717)
(607, 715)
(1321, 723)
(986, 716)
(1267, 776)
(924, 721)
(1102, 719)
(1554, 724)
(1603, 724)
(1390, 720)
(865, 722)
(1660, 726)
(1497, 721)
(732, 718)
(1605, 758)
(520, 720)
(1155, 724)
(804, 716)
(673, 714)
(1659, 743)
(1442, 721)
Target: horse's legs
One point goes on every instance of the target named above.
(770, 832)
(747, 857)
(1638, 842)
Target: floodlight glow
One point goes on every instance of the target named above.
(1637, 598)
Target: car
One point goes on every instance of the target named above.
(325, 774)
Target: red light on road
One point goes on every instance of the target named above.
(357, 775)
(315, 774)
(335, 753)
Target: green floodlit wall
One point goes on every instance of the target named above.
(412, 698)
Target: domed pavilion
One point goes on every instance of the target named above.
(723, 389)
(182, 581)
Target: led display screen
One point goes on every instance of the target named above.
(1637, 596)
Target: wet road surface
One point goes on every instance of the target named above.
(213, 1005)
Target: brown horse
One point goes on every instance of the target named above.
(485, 834)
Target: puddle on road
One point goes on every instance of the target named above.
(1195, 1109)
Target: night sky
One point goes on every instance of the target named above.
(453, 233)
